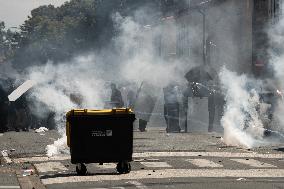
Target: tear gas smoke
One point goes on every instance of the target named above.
(133, 59)
(246, 118)
(139, 54)
(241, 121)
(276, 52)
(63, 87)
(87, 77)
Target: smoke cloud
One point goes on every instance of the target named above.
(246, 120)
(66, 86)
(276, 52)
(241, 120)
(84, 81)
(134, 58)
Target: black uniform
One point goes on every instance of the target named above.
(196, 90)
(22, 112)
(187, 93)
(131, 99)
(171, 108)
(116, 97)
(4, 108)
(211, 110)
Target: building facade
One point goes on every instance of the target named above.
(265, 14)
(219, 32)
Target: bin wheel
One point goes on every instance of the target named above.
(123, 167)
(81, 169)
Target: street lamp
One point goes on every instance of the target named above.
(201, 10)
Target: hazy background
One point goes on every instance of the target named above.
(15, 12)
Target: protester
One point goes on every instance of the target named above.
(23, 114)
(144, 104)
(116, 97)
(4, 105)
(171, 108)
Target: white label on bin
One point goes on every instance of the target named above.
(107, 133)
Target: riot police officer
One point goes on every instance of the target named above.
(116, 97)
(171, 108)
(4, 105)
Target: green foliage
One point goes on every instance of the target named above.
(8, 42)
(77, 26)
(59, 33)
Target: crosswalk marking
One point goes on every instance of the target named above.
(106, 166)
(156, 164)
(254, 163)
(42, 159)
(138, 184)
(204, 163)
(208, 154)
(165, 154)
(50, 167)
(171, 173)
(117, 187)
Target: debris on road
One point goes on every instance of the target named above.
(41, 130)
(241, 179)
(28, 172)
(6, 156)
(21, 90)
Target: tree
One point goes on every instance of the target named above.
(77, 26)
(8, 42)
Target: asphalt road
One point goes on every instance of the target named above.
(161, 160)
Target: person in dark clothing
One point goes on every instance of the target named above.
(211, 110)
(4, 108)
(116, 97)
(131, 97)
(198, 90)
(11, 108)
(22, 112)
(171, 108)
(188, 92)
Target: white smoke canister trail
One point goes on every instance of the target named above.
(21, 90)
(241, 122)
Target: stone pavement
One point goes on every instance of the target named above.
(160, 160)
(160, 167)
(8, 178)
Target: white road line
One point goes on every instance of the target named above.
(254, 163)
(207, 154)
(171, 173)
(165, 154)
(156, 164)
(50, 167)
(116, 187)
(10, 187)
(6, 157)
(138, 184)
(42, 159)
(204, 163)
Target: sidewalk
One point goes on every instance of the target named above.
(13, 176)
(8, 178)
